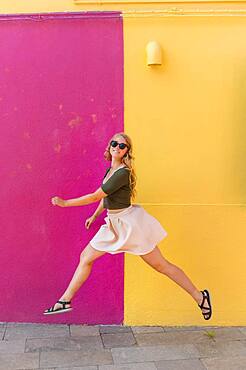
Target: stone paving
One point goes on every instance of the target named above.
(117, 347)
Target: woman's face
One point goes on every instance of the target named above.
(116, 152)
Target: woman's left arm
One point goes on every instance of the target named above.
(81, 201)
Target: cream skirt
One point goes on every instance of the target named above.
(131, 230)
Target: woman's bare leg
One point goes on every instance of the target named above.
(82, 272)
(156, 260)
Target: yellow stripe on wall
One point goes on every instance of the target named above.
(27, 6)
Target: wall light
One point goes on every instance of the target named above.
(154, 53)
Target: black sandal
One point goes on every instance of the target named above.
(206, 296)
(51, 310)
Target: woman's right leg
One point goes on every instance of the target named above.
(82, 272)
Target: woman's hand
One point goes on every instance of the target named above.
(56, 201)
(89, 221)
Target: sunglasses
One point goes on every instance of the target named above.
(114, 144)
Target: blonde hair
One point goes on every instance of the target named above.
(128, 160)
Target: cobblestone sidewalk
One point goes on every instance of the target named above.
(116, 347)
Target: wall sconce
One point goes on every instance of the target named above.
(154, 54)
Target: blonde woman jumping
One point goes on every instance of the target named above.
(128, 228)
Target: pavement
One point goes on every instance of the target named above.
(118, 347)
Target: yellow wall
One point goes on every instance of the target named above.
(187, 120)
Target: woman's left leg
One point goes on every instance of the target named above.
(156, 260)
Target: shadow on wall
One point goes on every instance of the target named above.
(239, 132)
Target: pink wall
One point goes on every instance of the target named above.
(61, 98)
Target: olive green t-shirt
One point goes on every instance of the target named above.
(118, 189)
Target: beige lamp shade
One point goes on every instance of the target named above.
(154, 53)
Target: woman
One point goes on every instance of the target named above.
(129, 228)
